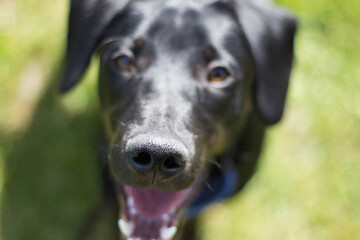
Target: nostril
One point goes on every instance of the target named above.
(149, 156)
(172, 163)
(142, 158)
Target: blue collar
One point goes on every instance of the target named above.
(223, 185)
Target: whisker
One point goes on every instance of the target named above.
(122, 123)
(197, 136)
(207, 183)
(217, 164)
(116, 145)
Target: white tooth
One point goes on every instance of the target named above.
(165, 217)
(133, 211)
(130, 202)
(168, 233)
(126, 227)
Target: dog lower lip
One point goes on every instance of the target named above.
(152, 214)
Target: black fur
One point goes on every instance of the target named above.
(167, 100)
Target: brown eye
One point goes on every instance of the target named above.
(125, 63)
(218, 74)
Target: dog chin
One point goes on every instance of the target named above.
(149, 214)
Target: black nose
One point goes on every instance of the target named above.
(149, 155)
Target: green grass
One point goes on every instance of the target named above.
(308, 183)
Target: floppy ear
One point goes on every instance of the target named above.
(270, 32)
(87, 20)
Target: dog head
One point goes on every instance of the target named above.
(177, 81)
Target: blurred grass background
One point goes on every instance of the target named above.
(308, 183)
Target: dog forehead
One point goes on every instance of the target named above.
(201, 19)
(150, 7)
(158, 12)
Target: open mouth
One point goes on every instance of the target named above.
(149, 214)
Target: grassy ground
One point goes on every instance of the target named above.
(308, 184)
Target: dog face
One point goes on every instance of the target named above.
(177, 82)
(173, 89)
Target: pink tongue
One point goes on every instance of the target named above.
(152, 203)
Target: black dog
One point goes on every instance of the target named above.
(187, 89)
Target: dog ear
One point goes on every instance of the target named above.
(87, 20)
(270, 31)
